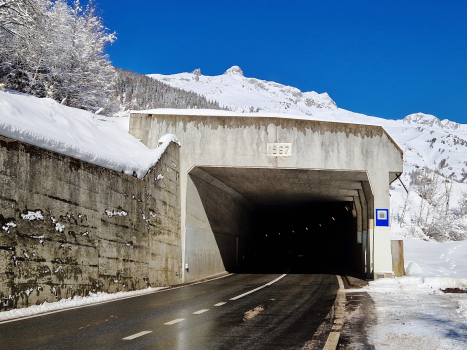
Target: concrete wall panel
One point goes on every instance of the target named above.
(68, 227)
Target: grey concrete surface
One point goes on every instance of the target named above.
(69, 227)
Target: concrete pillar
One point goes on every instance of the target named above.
(365, 242)
(381, 244)
(368, 229)
(360, 251)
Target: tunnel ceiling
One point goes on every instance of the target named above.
(279, 186)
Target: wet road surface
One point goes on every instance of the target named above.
(187, 318)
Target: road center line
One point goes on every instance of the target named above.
(137, 335)
(174, 321)
(200, 311)
(221, 303)
(256, 289)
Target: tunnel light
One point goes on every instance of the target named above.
(293, 231)
(333, 218)
(279, 233)
(347, 208)
(306, 228)
(266, 235)
(319, 225)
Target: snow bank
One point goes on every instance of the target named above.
(442, 265)
(74, 302)
(99, 140)
(413, 312)
(436, 259)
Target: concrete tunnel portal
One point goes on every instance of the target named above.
(267, 193)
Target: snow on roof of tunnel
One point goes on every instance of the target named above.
(80, 134)
(222, 113)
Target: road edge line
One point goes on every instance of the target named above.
(165, 289)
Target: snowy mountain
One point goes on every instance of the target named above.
(241, 94)
(428, 143)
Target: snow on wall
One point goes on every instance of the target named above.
(96, 139)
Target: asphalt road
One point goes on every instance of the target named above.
(294, 307)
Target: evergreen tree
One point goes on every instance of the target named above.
(136, 91)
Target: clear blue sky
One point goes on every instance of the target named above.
(387, 58)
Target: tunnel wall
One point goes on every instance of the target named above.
(217, 227)
(69, 227)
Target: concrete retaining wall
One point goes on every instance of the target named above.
(68, 227)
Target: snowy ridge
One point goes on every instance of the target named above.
(99, 140)
(241, 94)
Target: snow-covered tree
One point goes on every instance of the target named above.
(52, 49)
(15, 14)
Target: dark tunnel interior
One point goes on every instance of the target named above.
(307, 238)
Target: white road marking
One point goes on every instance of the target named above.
(174, 321)
(200, 311)
(137, 335)
(165, 289)
(220, 304)
(332, 341)
(256, 289)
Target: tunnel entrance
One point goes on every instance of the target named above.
(232, 165)
(306, 238)
(265, 220)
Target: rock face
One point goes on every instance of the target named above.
(430, 120)
(68, 227)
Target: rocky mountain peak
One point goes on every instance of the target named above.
(234, 70)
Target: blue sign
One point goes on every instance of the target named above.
(382, 217)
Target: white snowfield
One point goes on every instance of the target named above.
(413, 312)
(96, 139)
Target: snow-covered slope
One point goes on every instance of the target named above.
(242, 94)
(427, 142)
